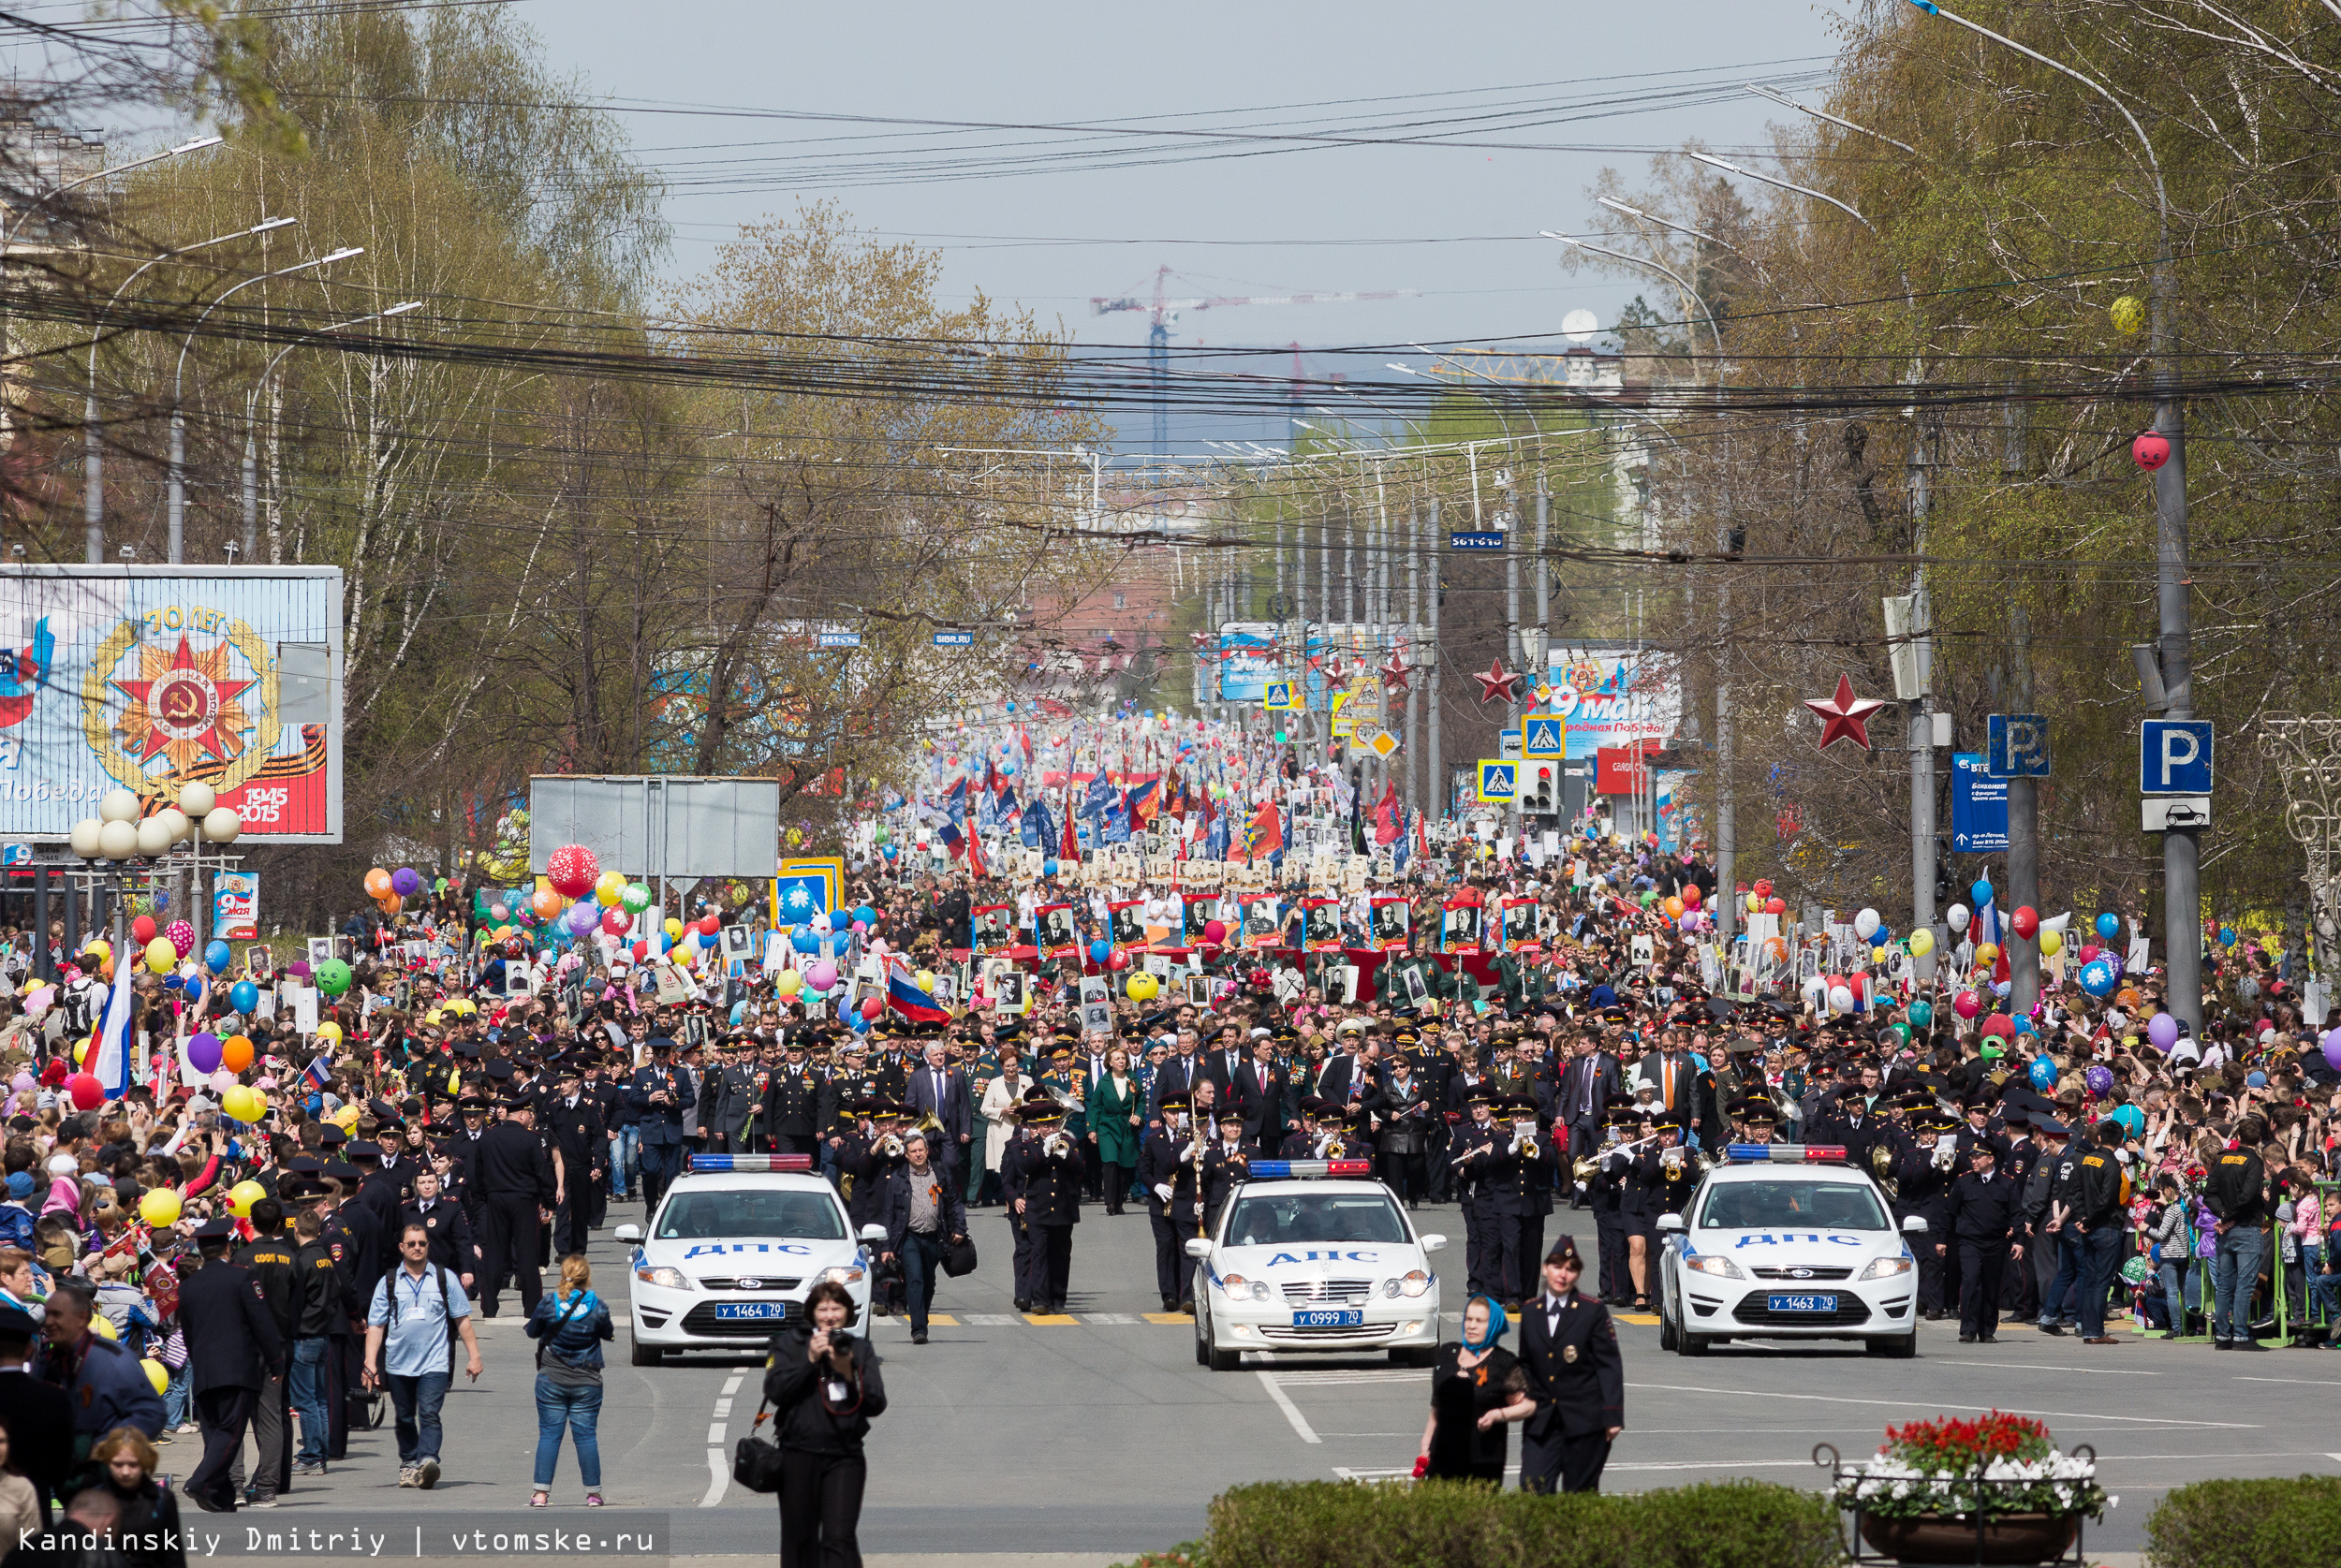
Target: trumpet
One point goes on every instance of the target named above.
(1528, 1148)
(1058, 1144)
(1945, 1157)
(890, 1146)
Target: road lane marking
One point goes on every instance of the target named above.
(942, 1320)
(1052, 1320)
(723, 1411)
(732, 1385)
(992, 1320)
(1108, 1317)
(1897, 1404)
(1640, 1320)
(715, 1435)
(1166, 1317)
(2092, 1371)
(1292, 1412)
(2312, 1381)
(1319, 1380)
(718, 1478)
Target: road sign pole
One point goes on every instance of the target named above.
(1437, 805)
(2023, 828)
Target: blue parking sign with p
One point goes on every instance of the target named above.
(2018, 746)
(2175, 756)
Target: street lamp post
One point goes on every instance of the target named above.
(93, 460)
(2182, 848)
(178, 388)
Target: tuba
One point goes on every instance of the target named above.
(1881, 1167)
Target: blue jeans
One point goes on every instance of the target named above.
(623, 1158)
(2183, 1292)
(579, 1410)
(2098, 1251)
(306, 1383)
(2067, 1273)
(922, 1266)
(418, 1399)
(2234, 1273)
(2324, 1293)
(177, 1400)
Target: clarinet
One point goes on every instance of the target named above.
(1197, 1136)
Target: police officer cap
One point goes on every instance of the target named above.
(1041, 1112)
(332, 1137)
(16, 1322)
(1480, 1093)
(364, 1151)
(500, 1071)
(566, 1069)
(1181, 1102)
(2048, 1126)
(342, 1170)
(1757, 1109)
(659, 1043)
(516, 1102)
(1624, 1116)
(382, 1110)
(298, 1189)
(220, 1229)
(1564, 1250)
(471, 1104)
(304, 1165)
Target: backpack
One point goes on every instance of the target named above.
(454, 1332)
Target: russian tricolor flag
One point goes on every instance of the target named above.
(904, 995)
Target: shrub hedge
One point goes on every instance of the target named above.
(2273, 1523)
(1727, 1524)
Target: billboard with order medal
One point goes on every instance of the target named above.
(146, 677)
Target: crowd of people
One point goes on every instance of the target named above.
(1516, 1037)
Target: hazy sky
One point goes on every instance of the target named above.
(1231, 215)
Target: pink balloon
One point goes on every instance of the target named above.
(820, 974)
(222, 1081)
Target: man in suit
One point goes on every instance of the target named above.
(32, 1413)
(940, 1090)
(1678, 1080)
(1582, 1106)
(233, 1348)
(660, 1093)
(1568, 1346)
(1259, 1093)
(1178, 1075)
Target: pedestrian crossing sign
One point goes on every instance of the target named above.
(1498, 782)
(1277, 696)
(1544, 735)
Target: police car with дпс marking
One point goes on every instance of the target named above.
(1305, 1261)
(1787, 1241)
(736, 1243)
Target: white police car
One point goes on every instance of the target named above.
(1787, 1241)
(1306, 1261)
(737, 1241)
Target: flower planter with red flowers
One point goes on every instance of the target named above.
(1984, 1489)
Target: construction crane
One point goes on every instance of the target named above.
(1163, 311)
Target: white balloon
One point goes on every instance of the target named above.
(1841, 999)
(1956, 916)
(1866, 923)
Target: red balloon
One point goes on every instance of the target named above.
(1117, 959)
(1214, 932)
(2151, 450)
(2026, 922)
(1776, 906)
(713, 924)
(616, 921)
(1763, 888)
(1690, 895)
(143, 929)
(642, 951)
(871, 1007)
(87, 1092)
(572, 870)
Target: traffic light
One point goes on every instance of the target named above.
(1944, 878)
(1541, 794)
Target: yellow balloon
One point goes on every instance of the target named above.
(925, 980)
(1921, 943)
(609, 889)
(161, 957)
(1878, 955)
(243, 1195)
(100, 947)
(1754, 905)
(2051, 944)
(103, 1327)
(1986, 951)
(344, 1117)
(2129, 313)
(80, 1052)
(244, 1103)
(328, 1030)
(159, 1207)
(156, 1374)
(674, 928)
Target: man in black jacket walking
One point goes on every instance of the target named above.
(1986, 1221)
(233, 1348)
(516, 1186)
(2236, 1191)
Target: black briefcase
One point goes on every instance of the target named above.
(959, 1256)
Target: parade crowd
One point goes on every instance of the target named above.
(170, 1274)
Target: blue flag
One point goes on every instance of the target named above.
(1113, 824)
(1034, 830)
(1099, 797)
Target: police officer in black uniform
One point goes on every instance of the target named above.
(1986, 1223)
(1050, 1203)
(1606, 1194)
(454, 1247)
(572, 1122)
(270, 1260)
(1161, 1175)
(233, 1348)
(1922, 1176)
(1476, 1142)
(791, 1110)
(1519, 1176)
(1568, 1345)
(515, 1184)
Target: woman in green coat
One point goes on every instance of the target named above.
(1113, 1121)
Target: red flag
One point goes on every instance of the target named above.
(1073, 847)
(1266, 833)
(1386, 815)
(975, 857)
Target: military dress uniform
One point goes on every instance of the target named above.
(1923, 1184)
(1476, 1142)
(1052, 1195)
(1520, 1185)
(1159, 1177)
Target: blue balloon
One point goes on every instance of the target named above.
(1981, 892)
(2044, 1073)
(867, 916)
(1883, 935)
(888, 851)
(2097, 978)
(2226, 936)
(243, 996)
(806, 941)
(1101, 950)
(217, 956)
(1048, 867)
(194, 988)
(2109, 925)
(2024, 1024)
(858, 1024)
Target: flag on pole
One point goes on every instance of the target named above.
(109, 1059)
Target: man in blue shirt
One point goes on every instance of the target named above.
(418, 1308)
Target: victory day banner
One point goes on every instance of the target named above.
(146, 677)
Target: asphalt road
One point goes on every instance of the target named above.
(1097, 1433)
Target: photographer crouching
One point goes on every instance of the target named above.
(822, 1382)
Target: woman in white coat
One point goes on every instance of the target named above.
(1001, 1095)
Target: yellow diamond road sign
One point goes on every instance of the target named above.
(1384, 744)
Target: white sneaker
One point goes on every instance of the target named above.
(407, 1476)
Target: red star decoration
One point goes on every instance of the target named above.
(1394, 672)
(1496, 686)
(1844, 716)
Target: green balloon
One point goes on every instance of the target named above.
(332, 976)
(1648, 897)
(636, 898)
(1921, 1013)
(1902, 1031)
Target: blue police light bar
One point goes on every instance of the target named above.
(749, 1163)
(1785, 1153)
(1306, 1170)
